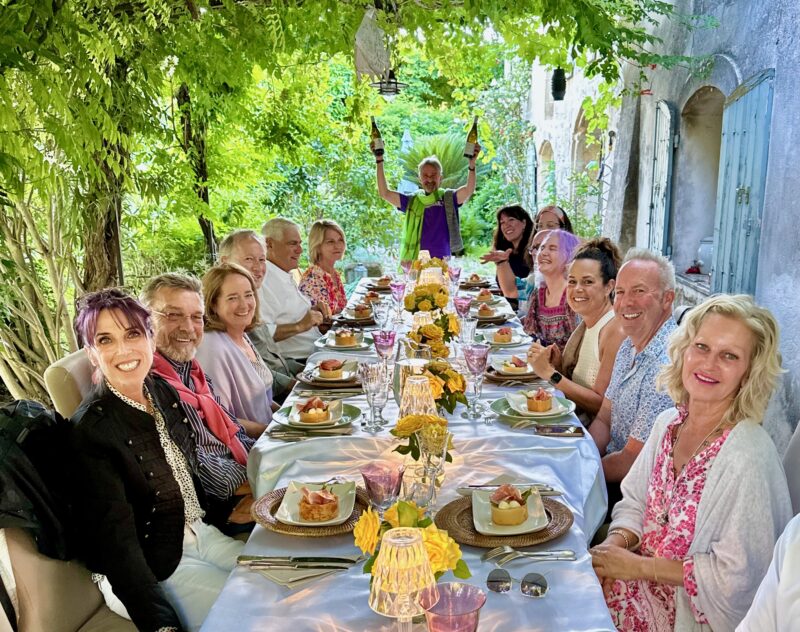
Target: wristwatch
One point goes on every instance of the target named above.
(555, 378)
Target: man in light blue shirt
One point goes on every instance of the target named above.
(644, 294)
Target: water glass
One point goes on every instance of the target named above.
(457, 609)
(468, 327)
(476, 357)
(382, 398)
(373, 381)
(382, 482)
(398, 291)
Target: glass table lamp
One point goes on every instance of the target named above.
(417, 398)
(402, 577)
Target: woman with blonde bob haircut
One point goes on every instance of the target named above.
(241, 379)
(321, 282)
(706, 499)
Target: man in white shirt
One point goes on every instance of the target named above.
(290, 317)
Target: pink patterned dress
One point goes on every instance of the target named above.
(551, 325)
(668, 531)
(322, 287)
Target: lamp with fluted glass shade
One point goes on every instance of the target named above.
(401, 577)
(417, 398)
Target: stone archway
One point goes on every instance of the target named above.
(547, 192)
(695, 174)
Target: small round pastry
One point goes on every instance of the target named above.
(540, 401)
(475, 278)
(314, 411)
(509, 507)
(372, 297)
(344, 337)
(362, 310)
(502, 335)
(515, 365)
(484, 311)
(316, 506)
(331, 369)
(384, 281)
(484, 296)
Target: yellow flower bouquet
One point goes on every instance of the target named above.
(444, 328)
(426, 297)
(434, 262)
(444, 554)
(448, 386)
(408, 426)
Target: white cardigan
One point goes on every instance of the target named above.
(744, 507)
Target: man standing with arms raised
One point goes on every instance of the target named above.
(643, 299)
(431, 214)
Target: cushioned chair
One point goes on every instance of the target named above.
(68, 381)
(56, 596)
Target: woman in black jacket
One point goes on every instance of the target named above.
(136, 491)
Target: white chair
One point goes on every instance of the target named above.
(791, 464)
(68, 381)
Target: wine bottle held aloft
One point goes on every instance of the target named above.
(472, 140)
(376, 142)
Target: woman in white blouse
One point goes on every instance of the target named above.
(584, 369)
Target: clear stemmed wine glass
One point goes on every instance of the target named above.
(373, 380)
(398, 288)
(382, 398)
(468, 326)
(476, 357)
(406, 265)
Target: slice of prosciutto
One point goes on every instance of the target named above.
(331, 365)
(518, 361)
(311, 404)
(506, 492)
(318, 496)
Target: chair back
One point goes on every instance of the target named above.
(791, 464)
(68, 381)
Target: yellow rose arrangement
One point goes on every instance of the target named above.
(445, 327)
(426, 298)
(444, 554)
(448, 386)
(408, 426)
(434, 262)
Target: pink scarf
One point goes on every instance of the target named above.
(202, 400)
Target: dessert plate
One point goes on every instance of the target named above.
(328, 342)
(349, 314)
(497, 365)
(482, 515)
(519, 403)
(503, 408)
(517, 339)
(289, 510)
(348, 375)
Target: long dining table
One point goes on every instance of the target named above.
(483, 450)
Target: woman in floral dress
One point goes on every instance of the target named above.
(321, 282)
(706, 499)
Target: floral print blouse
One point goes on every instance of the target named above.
(551, 325)
(668, 532)
(322, 287)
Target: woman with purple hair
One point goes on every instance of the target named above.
(550, 320)
(137, 494)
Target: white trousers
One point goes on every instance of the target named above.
(208, 558)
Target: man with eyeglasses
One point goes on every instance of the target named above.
(291, 318)
(176, 303)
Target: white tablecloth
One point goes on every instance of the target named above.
(482, 452)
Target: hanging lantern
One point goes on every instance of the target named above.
(389, 86)
(558, 84)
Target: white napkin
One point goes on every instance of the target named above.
(519, 402)
(292, 578)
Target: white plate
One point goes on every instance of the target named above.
(344, 377)
(334, 408)
(349, 313)
(516, 339)
(327, 342)
(497, 365)
(519, 403)
(289, 511)
(482, 515)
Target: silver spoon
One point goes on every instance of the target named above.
(532, 585)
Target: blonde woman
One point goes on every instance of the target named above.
(321, 282)
(706, 498)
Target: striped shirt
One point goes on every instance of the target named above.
(220, 474)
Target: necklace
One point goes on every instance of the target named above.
(663, 516)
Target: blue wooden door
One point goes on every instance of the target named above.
(740, 188)
(663, 148)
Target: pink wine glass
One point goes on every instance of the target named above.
(398, 289)
(462, 304)
(476, 357)
(384, 343)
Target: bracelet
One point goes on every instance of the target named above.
(623, 535)
(470, 168)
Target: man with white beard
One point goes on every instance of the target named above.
(176, 303)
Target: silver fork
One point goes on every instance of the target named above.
(554, 556)
(505, 549)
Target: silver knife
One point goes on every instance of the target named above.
(249, 559)
(301, 565)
